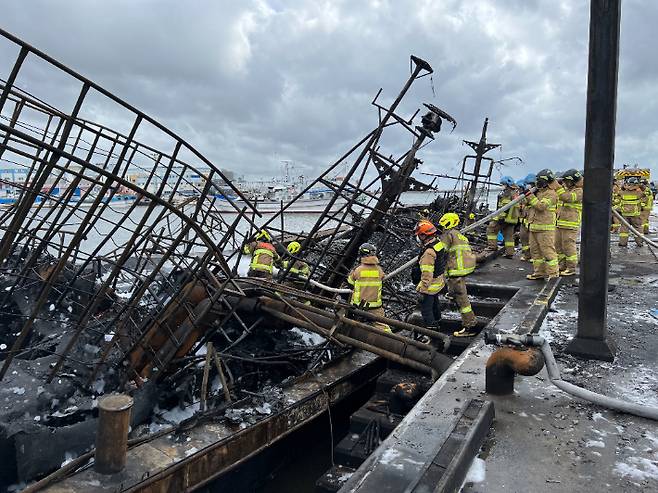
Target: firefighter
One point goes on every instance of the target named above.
(542, 208)
(569, 215)
(461, 262)
(616, 205)
(424, 214)
(506, 221)
(647, 205)
(524, 233)
(298, 270)
(366, 281)
(428, 272)
(263, 256)
(631, 206)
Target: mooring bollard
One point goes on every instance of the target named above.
(112, 433)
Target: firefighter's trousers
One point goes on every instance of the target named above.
(645, 221)
(524, 236)
(542, 251)
(567, 251)
(615, 224)
(636, 222)
(457, 288)
(430, 309)
(508, 235)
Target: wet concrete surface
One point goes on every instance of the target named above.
(412, 448)
(544, 440)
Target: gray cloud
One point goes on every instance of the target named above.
(253, 82)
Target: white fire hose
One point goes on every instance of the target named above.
(623, 220)
(412, 261)
(553, 370)
(468, 228)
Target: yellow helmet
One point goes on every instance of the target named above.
(263, 235)
(449, 220)
(294, 247)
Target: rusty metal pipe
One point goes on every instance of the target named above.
(391, 346)
(389, 321)
(361, 313)
(506, 362)
(554, 374)
(348, 340)
(359, 324)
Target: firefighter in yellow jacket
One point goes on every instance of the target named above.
(461, 262)
(263, 256)
(428, 272)
(505, 222)
(298, 270)
(647, 205)
(524, 233)
(569, 215)
(616, 206)
(631, 207)
(367, 282)
(542, 208)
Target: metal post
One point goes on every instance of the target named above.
(590, 341)
(476, 170)
(481, 148)
(112, 434)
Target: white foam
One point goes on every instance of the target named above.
(308, 338)
(477, 472)
(390, 456)
(637, 468)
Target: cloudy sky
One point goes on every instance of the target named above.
(254, 82)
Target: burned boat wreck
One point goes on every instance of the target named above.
(111, 285)
(102, 296)
(99, 298)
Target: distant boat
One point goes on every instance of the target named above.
(52, 197)
(300, 206)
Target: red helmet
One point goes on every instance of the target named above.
(425, 228)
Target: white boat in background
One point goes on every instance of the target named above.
(271, 201)
(269, 198)
(300, 206)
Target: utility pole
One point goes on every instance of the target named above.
(480, 148)
(591, 339)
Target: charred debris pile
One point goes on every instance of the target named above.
(108, 284)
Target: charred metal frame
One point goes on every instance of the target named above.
(148, 271)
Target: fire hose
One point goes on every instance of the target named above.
(412, 261)
(556, 379)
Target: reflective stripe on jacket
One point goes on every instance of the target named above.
(461, 260)
(262, 254)
(431, 280)
(366, 280)
(299, 268)
(616, 197)
(647, 202)
(542, 208)
(569, 207)
(511, 216)
(631, 201)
